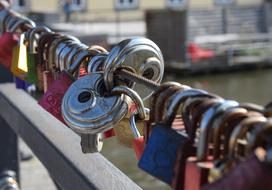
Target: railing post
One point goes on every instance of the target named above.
(9, 154)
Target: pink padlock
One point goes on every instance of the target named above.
(51, 101)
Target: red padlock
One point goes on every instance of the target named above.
(51, 101)
(7, 42)
(252, 174)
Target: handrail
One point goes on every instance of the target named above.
(58, 147)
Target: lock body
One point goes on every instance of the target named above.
(51, 101)
(19, 59)
(31, 76)
(7, 42)
(161, 152)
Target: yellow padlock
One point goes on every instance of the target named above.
(19, 59)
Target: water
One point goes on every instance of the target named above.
(251, 87)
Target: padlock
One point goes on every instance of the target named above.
(239, 133)
(188, 149)
(19, 59)
(161, 152)
(226, 122)
(260, 137)
(231, 159)
(138, 143)
(122, 129)
(138, 54)
(253, 174)
(32, 59)
(51, 101)
(19, 52)
(196, 112)
(222, 129)
(8, 41)
(198, 167)
(88, 109)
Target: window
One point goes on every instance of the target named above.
(19, 5)
(78, 5)
(224, 2)
(126, 4)
(176, 3)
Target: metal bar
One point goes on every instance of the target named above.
(9, 159)
(58, 147)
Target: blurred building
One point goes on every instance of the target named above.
(109, 10)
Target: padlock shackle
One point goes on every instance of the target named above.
(163, 100)
(32, 39)
(134, 96)
(62, 49)
(155, 95)
(96, 63)
(81, 57)
(176, 100)
(240, 131)
(188, 106)
(133, 125)
(221, 124)
(259, 138)
(20, 22)
(71, 56)
(205, 126)
(63, 53)
(53, 47)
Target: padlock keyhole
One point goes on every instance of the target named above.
(84, 97)
(148, 73)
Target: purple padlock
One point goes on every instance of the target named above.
(20, 84)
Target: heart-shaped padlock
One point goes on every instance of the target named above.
(88, 110)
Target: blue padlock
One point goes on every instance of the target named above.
(162, 149)
(20, 84)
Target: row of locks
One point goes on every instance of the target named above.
(189, 139)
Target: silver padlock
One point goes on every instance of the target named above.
(87, 109)
(140, 55)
